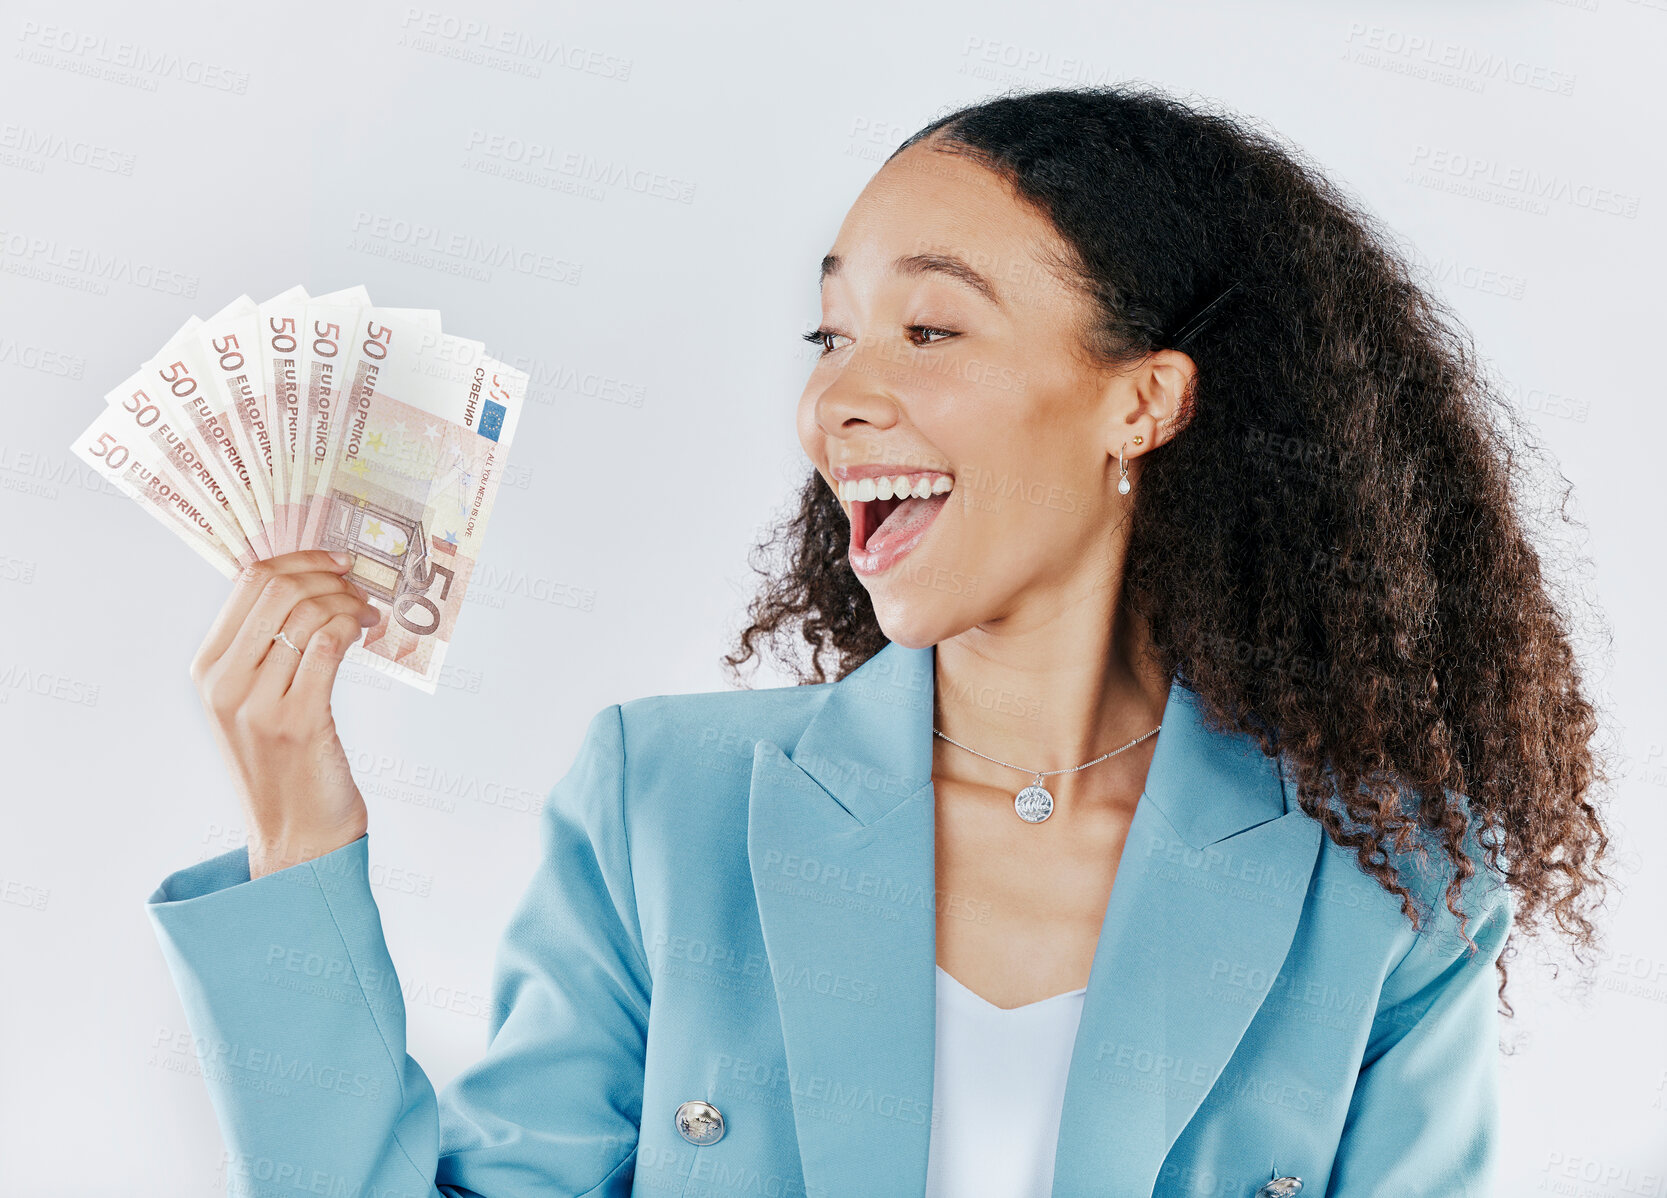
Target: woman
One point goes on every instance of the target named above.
(1201, 726)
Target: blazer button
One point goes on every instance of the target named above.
(701, 1123)
(1281, 1187)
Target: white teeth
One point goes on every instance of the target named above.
(901, 486)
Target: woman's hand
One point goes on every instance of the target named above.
(269, 706)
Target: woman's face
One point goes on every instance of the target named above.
(954, 363)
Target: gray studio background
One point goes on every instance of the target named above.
(692, 165)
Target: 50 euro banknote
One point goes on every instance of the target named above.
(398, 466)
(407, 482)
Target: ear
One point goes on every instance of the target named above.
(1154, 402)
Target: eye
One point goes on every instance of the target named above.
(924, 328)
(820, 336)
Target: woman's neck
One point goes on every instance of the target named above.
(1050, 697)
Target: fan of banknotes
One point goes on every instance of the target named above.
(321, 422)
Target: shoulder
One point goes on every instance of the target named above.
(654, 771)
(1442, 987)
(653, 777)
(1485, 911)
(1410, 959)
(687, 742)
(713, 730)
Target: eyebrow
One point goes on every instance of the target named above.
(919, 264)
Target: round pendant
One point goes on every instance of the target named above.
(1034, 804)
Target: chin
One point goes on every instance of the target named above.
(916, 620)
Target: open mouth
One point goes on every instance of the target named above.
(889, 513)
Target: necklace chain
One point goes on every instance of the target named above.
(1034, 804)
(1050, 773)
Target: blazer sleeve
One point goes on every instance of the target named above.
(299, 1021)
(1423, 1116)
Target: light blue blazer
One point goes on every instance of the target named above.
(736, 905)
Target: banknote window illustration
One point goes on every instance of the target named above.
(386, 542)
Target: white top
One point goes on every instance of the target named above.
(998, 1088)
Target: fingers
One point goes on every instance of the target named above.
(274, 605)
(277, 670)
(316, 673)
(246, 591)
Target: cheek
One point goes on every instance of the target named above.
(1030, 487)
(810, 436)
(982, 401)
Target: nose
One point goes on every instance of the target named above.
(855, 400)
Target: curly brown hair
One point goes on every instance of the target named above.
(1333, 551)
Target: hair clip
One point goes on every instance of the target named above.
(1200, 320)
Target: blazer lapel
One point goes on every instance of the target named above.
(840, 838)
(840, 842)
(1211, 883)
